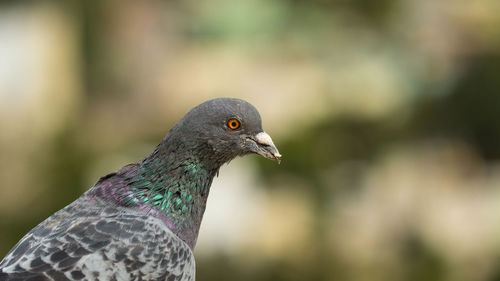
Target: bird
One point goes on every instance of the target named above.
(141, 222)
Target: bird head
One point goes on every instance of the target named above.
(228, 127)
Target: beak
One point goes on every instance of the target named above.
(265, 147)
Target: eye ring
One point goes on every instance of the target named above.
(233, 124)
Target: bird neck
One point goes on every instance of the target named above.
(172, 184)
(177, 191)
(177, 183)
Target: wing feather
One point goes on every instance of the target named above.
(110, 243)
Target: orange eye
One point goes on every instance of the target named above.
(233, 123)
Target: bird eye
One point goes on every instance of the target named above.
(233, 123)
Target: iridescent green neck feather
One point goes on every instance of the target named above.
(174, 182)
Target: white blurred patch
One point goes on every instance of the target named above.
(233, 209)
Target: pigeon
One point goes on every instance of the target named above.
(142, 221)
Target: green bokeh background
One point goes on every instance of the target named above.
(387, 114)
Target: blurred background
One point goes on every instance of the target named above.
(387, 114)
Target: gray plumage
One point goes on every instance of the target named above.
(95, 243)
(142, 221)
